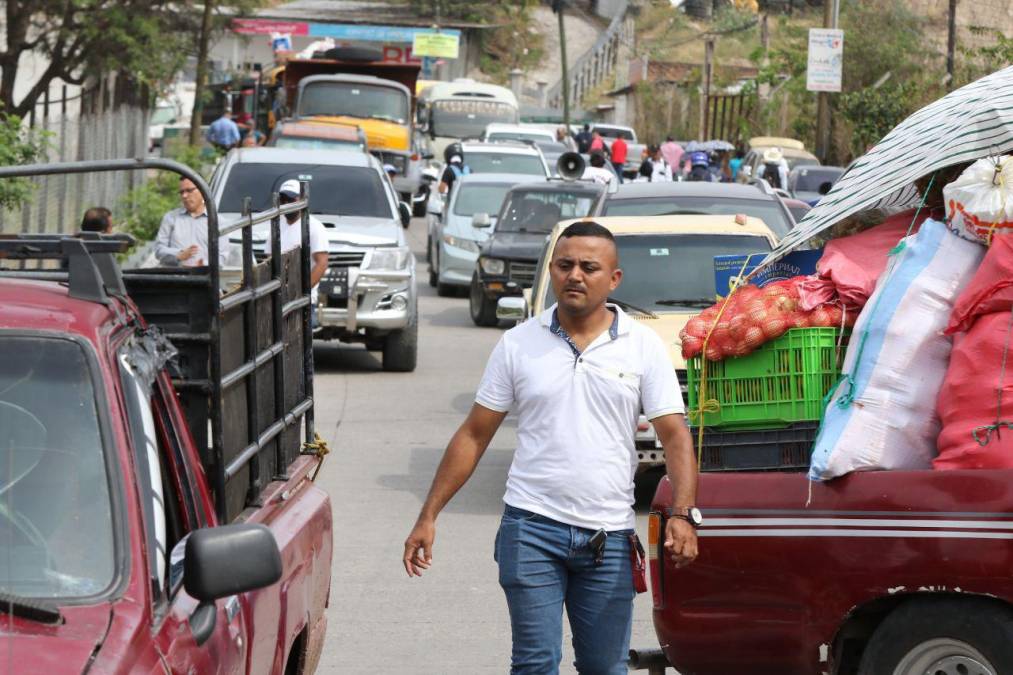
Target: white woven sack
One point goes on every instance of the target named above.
(883, 413)
(979, 204)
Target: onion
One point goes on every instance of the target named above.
(754, 337)
(820, 318)
(691, 346)
(697, 327)
(774, 327)
(799, 320)
(713, 352)
(785, 303)
(758, 315)
(835, 314)
(737, 326)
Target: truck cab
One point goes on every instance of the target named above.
(157, 509)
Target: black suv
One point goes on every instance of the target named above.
(507, 262)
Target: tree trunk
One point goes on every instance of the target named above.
(202, 72)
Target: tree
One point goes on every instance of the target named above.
(146, 39)
(18, 146)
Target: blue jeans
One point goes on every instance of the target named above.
(544, 565)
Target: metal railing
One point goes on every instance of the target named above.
(597, 63)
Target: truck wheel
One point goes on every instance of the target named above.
(434, 272)
(401, 348)
(943, 637)
(429, 247)
(483, 310)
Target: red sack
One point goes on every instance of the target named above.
(968, 399)
(855, 263)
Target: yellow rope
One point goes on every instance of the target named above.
(705, 405)
(319, 448)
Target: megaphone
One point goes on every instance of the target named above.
(570, 166)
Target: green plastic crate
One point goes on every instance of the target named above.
(782, 382)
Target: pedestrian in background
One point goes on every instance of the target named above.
(596, 170)
(597, 143)
(672, 152)
(183, 235)
(564, 137)
(97, 219)
(223, 133)
(646, 169)
(660, 169)
(584, 140)
(291, 238)
(577, 377)
(619, 150)
(735, 163)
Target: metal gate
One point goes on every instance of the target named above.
(724, 111)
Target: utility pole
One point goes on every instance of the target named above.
(202, 73)
(708, 72)
(951, 44)
(558, 6)
(830, 12)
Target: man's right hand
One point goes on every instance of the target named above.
(187, 253)
(418, 547)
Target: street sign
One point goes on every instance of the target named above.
(439, 45)
(826, 59)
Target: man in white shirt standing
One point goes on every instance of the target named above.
(291, 237)
(577, 376)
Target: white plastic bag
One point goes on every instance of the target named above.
(883, 413)
(979, 204)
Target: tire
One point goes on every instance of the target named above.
(483, 311)
(944, 636)
(419, 209)
(401, 348)
(434, 272)
(429, 247)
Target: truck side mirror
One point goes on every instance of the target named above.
(481, 220)
(223, 561)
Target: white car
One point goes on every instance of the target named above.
(368, 293)
(516, 132)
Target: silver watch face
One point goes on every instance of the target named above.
(695, 516)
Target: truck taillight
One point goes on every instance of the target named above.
(654, 563)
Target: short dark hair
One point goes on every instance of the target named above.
(587, 127)
(96, 219)
(597, 159)
(587, 228)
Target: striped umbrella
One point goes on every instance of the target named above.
(972, 122)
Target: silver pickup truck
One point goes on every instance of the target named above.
(368, 292)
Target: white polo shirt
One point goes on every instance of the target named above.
(578, 412)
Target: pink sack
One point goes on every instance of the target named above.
(855, 263)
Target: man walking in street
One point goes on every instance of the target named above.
(577, 376)
(183, 235)
(223, 133)
(291, 237)
(619, 150)
(584, 140)
(672, 152)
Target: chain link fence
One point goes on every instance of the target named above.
(80, 126)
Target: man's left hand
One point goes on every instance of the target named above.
(680, 541)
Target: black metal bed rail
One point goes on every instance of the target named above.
(207, 339)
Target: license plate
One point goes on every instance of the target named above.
(335, 284)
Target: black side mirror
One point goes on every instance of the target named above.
(405, 212)
(224, 561)
(428, 156)
(825, 187)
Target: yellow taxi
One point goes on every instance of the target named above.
(668, 278)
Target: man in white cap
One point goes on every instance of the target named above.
(291, 237)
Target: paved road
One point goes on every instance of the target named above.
(388, 432)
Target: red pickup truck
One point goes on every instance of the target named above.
(878, 573)
(157, 509)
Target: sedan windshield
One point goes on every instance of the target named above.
(355, 100)
(334, 190)
(469, 118)
(662, 272)
(472, 199)
(769, 211)
(502, 162)
(539, 211)
(56, 524)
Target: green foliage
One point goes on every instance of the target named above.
(144, 206)
(514, 43)
(984, 59)
(19, 145)
(874, 112)
(882, 36)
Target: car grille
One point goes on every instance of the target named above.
(345, 258)
(522, 274)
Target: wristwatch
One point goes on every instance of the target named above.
(690, 514)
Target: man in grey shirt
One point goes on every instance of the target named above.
(183, 235)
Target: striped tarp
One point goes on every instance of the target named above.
(972, 122)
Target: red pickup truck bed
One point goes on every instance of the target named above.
(795, 578)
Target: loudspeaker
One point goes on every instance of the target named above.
(570, 166)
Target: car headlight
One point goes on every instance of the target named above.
(493, 266)
(388, 258)
(462, 243)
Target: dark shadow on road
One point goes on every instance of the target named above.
(330, 357)
(482, 494)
